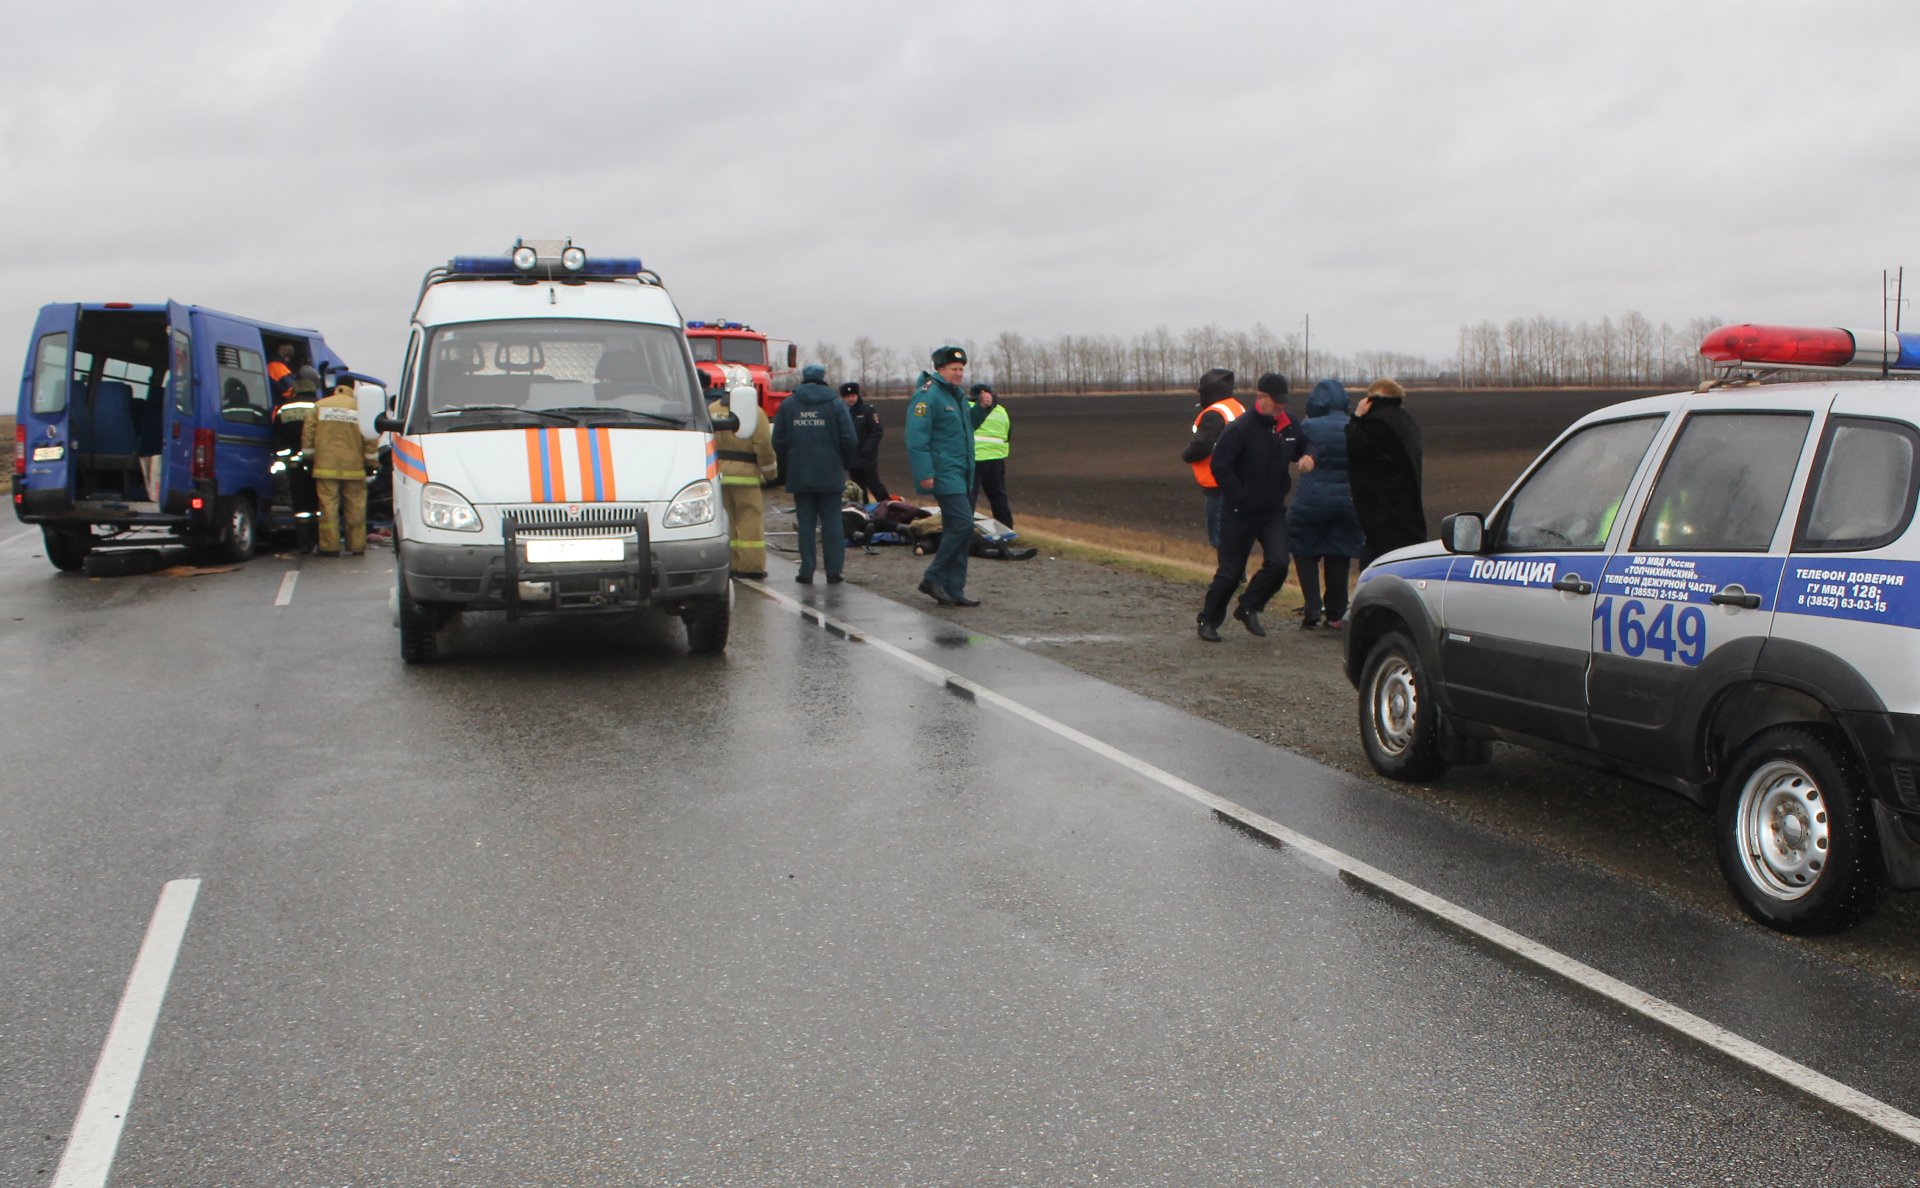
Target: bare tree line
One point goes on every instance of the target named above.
(1524, 352)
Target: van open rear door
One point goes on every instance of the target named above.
(42, 469)
(176, 426)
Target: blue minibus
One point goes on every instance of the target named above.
(141, 417)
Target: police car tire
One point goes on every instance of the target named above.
(66, 549)
(708, 622)
(1810, 770)
(237, 535)
(1392, 683)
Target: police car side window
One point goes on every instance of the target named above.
(1571, 499)
(1862, 492)
(1724, 483)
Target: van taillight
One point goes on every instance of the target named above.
(203, 453)
(19, 449)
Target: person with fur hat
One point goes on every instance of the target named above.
(1219, 409)
(814, 439)
(940, 428)
(1321, 524)
(1251, 462)
(1384, 470)
(865, 471)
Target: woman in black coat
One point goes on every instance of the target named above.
(1383, 468)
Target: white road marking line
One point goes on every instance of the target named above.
(19, 536)
(285, 596)
(1763, 1059)
(103, 1111)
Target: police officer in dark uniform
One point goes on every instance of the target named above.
(866, 427)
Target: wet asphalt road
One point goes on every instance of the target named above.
(575, 908)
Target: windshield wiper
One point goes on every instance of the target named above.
(661, 418)
(511, 408)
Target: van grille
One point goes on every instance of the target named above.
(553, 520)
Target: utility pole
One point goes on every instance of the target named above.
(1306, 348)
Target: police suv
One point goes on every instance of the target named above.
(551, 450)
(1717, 592)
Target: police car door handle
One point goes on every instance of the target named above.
(1571, 584)
(1734, 595)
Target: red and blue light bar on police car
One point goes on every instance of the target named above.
(1805, 348)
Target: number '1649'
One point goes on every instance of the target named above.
(1682, 637)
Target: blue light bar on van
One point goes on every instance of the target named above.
(503, 266)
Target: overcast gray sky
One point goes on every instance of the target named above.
(920, 172)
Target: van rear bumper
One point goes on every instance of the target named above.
(474, 576)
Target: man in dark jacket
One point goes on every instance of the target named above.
(1250, 463)
(1219, 409)
(940, 425)
(1383, 468)
(814, 440)
(867, 427)
(1323, 529)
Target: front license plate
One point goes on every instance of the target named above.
(555, 552)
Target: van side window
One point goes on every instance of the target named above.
(183, 372)
(1862, 492)
(243, 385)
(50, 374)
(1724, 483)
(404, 393)
(1571, 500)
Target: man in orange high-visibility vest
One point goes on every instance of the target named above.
(1216, 393)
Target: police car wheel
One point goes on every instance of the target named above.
(65, 548)
(237, 538)
(1399, 722)
(1796, 843)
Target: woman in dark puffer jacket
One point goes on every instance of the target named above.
(1324, 529)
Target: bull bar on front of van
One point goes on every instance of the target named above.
(589, 584)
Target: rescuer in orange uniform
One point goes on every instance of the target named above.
(341, 456)
(280, 375)
(1216, 392)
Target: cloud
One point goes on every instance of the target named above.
(915, 172)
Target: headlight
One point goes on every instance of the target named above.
(693, 505)
(442, 507)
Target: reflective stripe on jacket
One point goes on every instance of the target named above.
(332, 432)
(1229, 409)
(991, 440)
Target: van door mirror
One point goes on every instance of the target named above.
(744, 402)
(1462, 532)
(793, 356)
(384, 423)
(726, 423)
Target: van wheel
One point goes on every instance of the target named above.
(1796, 843)
(66, 548)
(1399, 722)
(238, 537)
(419, 625)
(708, 622)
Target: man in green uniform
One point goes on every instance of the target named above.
(992, 442)
(341, 456)
(745, 463)
(940, 425)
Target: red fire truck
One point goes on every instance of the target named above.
(720, 345)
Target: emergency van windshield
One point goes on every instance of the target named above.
(748, 352)
(543, 372)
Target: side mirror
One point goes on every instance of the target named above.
(726, 423)
(1463, 532)
(793, 356)
(744, 402)
(382, 423)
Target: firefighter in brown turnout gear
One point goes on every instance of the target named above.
(341, 457)
(745, 463)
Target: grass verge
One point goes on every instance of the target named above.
(1165, 557)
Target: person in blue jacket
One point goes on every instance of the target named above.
(940, 425)
(813, 439)
(1321, 523)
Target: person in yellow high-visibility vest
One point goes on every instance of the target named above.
(746, 463)
(992, 442)
(341, 457)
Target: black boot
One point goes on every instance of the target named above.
(1250, 618)
(1208, 631)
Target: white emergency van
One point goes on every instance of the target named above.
(552, 452)
(1717, 592)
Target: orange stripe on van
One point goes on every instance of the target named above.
(409, 459)
(536, 473)
(556, 468)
